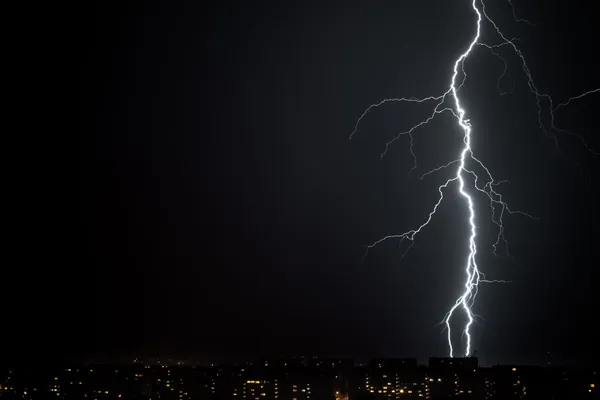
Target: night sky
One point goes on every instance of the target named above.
(222, 209)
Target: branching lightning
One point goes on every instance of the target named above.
(468, 180)
(514, 13)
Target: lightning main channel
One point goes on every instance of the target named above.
(449, 102)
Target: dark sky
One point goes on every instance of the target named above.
(222, 208)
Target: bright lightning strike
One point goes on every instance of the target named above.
(467, 179)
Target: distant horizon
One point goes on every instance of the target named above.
(208, 362)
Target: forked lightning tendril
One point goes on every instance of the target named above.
(477, 177)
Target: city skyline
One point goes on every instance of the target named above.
(302, 379)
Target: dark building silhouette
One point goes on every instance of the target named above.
(302, 379)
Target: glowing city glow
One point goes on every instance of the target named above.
(466, 179)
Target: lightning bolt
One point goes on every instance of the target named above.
(471, 176)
